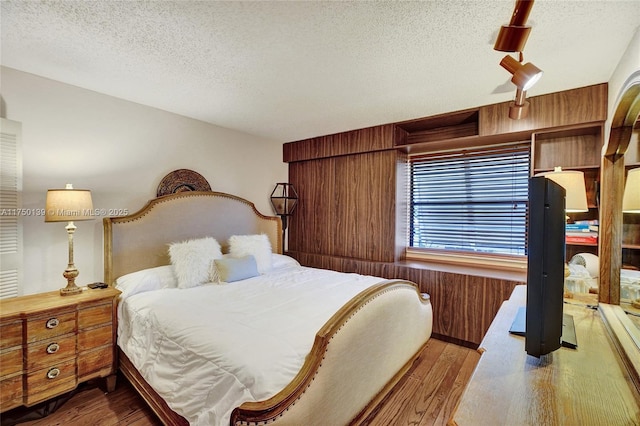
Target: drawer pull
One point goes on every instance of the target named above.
(53, 348)
(53, 323)
(53, 373)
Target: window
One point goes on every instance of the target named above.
(471, 201)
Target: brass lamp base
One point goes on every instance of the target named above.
(70, 274)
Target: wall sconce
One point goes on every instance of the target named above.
(69, 205)
(284, 200)
(573, 183)
(631, 197)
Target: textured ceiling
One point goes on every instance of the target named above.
(292, 70)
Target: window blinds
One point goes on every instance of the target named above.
(473, 200)
(10, 203)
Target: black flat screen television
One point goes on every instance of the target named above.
(542, 321)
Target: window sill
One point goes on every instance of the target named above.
(513, 268)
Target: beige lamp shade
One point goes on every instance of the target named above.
(573, 183)
(631, 197)
(68, 205)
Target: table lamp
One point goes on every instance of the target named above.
(69, 205)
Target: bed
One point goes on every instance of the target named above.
(284, 345)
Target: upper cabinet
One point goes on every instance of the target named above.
(573, 148)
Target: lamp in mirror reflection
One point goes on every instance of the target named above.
(573, 183)
(631, 197)
(69, 205)
(284, 200)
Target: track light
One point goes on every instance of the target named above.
(513, 37)
(524, 76)
(520, 107)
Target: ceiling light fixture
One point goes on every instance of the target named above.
(513, 37)
(524, 76)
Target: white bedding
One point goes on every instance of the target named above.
(208, 349)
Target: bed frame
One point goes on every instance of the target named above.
(357, 356)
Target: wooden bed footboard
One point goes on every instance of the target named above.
(357, 357)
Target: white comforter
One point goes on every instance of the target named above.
(208, 349)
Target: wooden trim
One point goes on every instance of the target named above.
(612, 184)
(625, 336)
(155, 402)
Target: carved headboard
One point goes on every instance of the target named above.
(141, 240)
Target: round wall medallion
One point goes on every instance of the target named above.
(182, 180)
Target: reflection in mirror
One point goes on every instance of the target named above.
(630, 272)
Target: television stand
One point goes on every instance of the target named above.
(569, 339)
(509, 387)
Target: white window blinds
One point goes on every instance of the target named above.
(10, 204)
(472, 201)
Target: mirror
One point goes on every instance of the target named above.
(616, 240)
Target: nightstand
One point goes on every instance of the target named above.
(50, 343)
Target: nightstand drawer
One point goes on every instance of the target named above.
(49, 326)
(51, 351)
(95, 337)
(10, 361)
(11, 334)
(50, 343)
(97, 361)
(51, 381)
(11, 392)
(89, 317)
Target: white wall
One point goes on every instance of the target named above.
(627, 68)
(120, 151)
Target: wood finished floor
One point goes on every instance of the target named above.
(426, 395)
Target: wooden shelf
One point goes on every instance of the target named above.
(437, 128)
(582, 244)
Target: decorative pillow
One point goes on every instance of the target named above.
(257, 246)
(192, 260)
(146, 280)
(232, 269)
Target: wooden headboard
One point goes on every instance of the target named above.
(141, 240)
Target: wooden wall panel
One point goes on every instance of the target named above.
(370, 139)
(364, 224)
(463, 305)
(569, 107)
(310, 228)
(346, 206)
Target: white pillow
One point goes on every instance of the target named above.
(257, 246)
(192, 260)
(146, 280)
(589, 261)
(282, 261)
